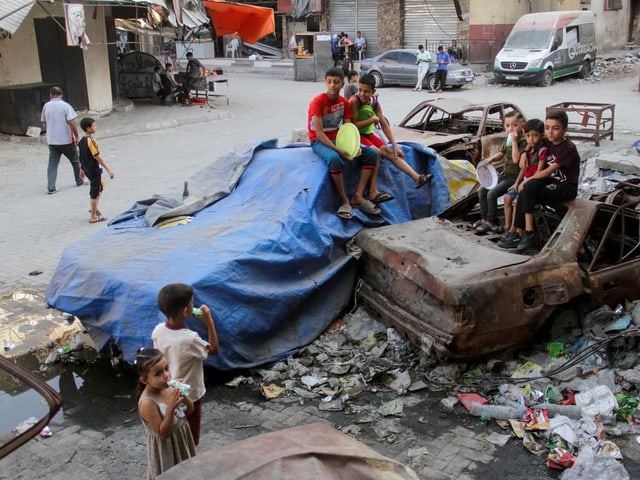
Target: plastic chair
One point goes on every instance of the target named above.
(361, 54)
(231, 49)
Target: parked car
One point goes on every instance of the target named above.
(458, 295)
(398, 67)
(456, 128)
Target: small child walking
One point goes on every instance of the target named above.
(183, 347)
(92, 165)
(163, 411)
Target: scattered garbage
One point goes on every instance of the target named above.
(271, 391)
(500, 412)
(597, 401)
(46, 432)
(25, 425)
(448, 403)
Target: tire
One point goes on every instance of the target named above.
(585, 70)
(378, 77)
(547, 78)
(431, 82)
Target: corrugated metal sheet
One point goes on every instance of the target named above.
(429, 22)
(13, 13)
(349, 16)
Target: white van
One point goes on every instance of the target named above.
(547, 45)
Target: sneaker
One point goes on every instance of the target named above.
(528, 240)
(512, 242)
(51, 192)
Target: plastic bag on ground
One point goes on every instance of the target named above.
(590, 466)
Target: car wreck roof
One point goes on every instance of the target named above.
(453, 105)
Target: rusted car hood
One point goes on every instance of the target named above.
(437, 254)
(309, 452)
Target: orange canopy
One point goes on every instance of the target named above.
(251, 22)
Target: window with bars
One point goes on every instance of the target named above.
(613, 5)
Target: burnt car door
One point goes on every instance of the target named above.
(610, 255)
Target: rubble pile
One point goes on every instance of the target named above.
(565, 399)
(354, 354)
(605, 67)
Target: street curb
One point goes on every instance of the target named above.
(211, 115)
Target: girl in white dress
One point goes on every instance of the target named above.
(162, 410)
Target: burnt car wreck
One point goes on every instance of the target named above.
(456, 128)
(459, 296)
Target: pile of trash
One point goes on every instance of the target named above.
(565, 399)
(357, 353)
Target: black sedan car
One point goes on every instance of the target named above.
(398, 67)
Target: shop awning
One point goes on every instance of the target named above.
(13, 13)
(190, 18)
(132, 26)
(251, 22)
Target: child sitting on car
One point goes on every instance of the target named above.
(367, 113)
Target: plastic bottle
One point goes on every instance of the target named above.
(571, 411)
(499, 412)
(183, 387)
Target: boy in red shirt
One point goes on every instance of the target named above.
(327, 112)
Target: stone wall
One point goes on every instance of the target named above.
(389, 25)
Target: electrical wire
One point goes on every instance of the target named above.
(495, 381)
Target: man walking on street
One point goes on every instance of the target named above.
(62, 136)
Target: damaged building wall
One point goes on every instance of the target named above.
(20, 61)
(613, 27)
(389, 25)
(491, 22)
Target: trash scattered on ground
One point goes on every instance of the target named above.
(25, 425)
(46, 432)
(561, 397)
(271, 391)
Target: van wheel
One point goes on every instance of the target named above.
(585, 70)
(378, 78)
(547, 78)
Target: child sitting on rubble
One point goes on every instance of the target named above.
(532, 160)
(163, 411)
(183, 347)
(367, 113)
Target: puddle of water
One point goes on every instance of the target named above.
(26, 323)
(94, 392)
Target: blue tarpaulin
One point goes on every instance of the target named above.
(264, 249)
